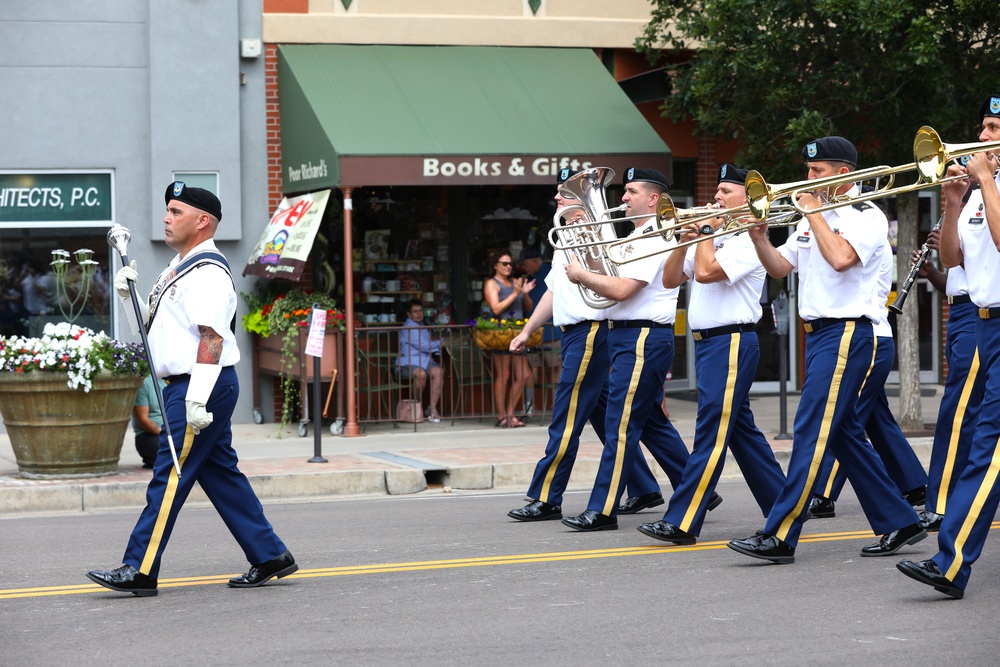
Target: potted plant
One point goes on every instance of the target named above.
(281, 321)
(66, 398)
(492, 333)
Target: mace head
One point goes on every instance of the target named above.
(118, 238)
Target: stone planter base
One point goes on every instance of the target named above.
(58, 432)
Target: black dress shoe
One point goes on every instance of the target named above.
(765, 547)
(916, 497)
(591, 520)
(822, 508)
(279, 567)
(896, 540)
(714, 502)
(930, 521)
(536, 511)
(928, 572)
(668, 532)
(638, 503)
(125, 579)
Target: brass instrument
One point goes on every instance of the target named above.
(586, 239)
(930, 160)
(734, 222)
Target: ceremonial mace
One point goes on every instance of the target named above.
(118, 238)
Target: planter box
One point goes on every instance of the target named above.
(269, 355)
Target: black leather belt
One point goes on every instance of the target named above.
(638, 324)
(702, 334)
(570, 327)
(812, 326)
(989, 313)
(177, 378)
(961, 298)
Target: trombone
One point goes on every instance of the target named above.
(930, 160)
(734, 222)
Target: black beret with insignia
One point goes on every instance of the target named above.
(991, 107)
(200, 198)
(637, 175)
(563, 175)
(831, 149)
(729, 173)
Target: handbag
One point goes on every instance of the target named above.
(408, 410)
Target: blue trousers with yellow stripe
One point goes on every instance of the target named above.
(209, 459)
(582, 394)
(640, 359)
(959, 410)
(838, 358)
(973, 502)
(725, 366)
(902, 464)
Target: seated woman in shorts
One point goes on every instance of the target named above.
(420, 357)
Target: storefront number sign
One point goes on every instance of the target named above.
(284, 246)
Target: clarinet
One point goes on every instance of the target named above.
(897, 305)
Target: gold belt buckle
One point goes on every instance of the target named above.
(809, 327)
(696, 334)
(984, 313)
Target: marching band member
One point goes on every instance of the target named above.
(970, 236)
(582, 392)
(723, 310)
(641, 346)
(837, 255)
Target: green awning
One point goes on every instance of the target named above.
(413, 115)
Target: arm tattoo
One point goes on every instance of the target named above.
(210, 346)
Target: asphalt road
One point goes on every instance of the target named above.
(447, 579)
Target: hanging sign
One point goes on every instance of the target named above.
(285, 244)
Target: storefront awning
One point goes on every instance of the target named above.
(452, 115)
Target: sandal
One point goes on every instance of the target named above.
(514, 422)
(503, 423)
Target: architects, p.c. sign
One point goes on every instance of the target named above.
(54, 198)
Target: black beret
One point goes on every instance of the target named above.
(831, 149)
(637, 175)
(563, 175)
(200, 198)
(991, 107)
(730, 173)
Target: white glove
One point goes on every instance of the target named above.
(197, 417)
(203, 379)
(125, 274)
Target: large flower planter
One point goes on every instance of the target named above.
(269, 351)
(499, 339)
(58, 432)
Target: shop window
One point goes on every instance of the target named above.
(31, 293)
(207, 180)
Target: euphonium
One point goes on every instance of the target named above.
(588, 240)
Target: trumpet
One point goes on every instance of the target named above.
(930, 160)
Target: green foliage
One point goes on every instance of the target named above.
(776, 74)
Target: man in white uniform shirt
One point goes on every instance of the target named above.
(641, 345)
(970, 236)
(838, 256)
(190, 318)
(723, 310)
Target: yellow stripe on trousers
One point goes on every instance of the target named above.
(828, 491)
(571, 413)
(956, 431)
(166, 505)
(977, 508)
(640, 360)
(823, 437)
(720, 437)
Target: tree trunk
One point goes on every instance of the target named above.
(907, 323)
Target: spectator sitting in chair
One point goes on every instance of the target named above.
(420, 357)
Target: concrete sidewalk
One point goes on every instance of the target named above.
(469, 455)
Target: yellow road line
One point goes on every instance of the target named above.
(452, 563)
